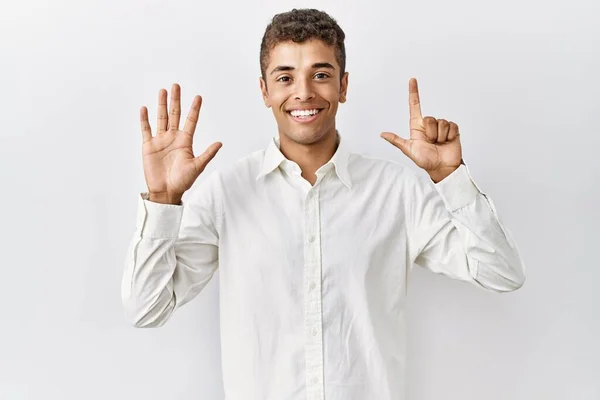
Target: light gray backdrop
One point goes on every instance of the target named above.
(520, 78)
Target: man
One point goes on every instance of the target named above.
(314, 243)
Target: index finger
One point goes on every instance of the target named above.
(414, 103)
(192, 119)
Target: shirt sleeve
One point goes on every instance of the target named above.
(454, 230)
(172, 256)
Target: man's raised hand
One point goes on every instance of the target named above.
(434, 144)
(170, 167)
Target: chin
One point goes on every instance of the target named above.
(305, 136)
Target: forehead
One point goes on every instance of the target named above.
(300, 55)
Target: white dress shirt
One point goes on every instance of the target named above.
(313, 279)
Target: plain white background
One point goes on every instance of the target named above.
(519, 77)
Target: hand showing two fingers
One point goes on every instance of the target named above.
(434, 144)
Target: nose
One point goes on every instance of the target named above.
(304, 90)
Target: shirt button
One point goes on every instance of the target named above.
(314, 332)
(311, 238)
(312, 285)
(315, 380)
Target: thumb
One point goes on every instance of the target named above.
(401, 143)
(203, 159)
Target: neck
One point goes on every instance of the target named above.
(309, 157)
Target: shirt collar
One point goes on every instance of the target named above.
(274, 157)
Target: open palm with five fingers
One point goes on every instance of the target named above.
(170, 167)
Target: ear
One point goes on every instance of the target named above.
(264, 91)
(344, 88)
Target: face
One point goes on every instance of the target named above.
(303, 89)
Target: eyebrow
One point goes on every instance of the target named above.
(290, 68)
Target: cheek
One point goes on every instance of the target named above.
(277, 102)
(332, 95)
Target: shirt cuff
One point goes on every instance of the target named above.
(158, 220)
(458, 189)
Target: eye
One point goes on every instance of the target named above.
(284, 78)
(322, 75)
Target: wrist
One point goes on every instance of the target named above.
(439, 176)
(165, 198)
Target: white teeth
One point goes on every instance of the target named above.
(303, 113)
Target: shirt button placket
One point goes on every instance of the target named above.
(312, 297)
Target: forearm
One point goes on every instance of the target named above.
(456, 232)
(169, 261)
(147, 286)
(488, 247)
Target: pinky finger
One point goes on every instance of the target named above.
(146, 130)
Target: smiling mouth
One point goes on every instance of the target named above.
(304, 115)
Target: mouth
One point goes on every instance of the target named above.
(305, 116)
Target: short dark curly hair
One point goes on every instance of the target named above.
(299, 26)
